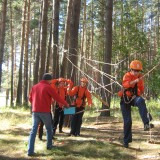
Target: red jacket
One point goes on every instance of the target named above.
(41, 96)
(82, 93)
(127, 78)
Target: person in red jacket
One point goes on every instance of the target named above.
(60, 86)
(40, 98)
(80, 93)
(133, 88)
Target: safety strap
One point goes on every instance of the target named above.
(134, 93)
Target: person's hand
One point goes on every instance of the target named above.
(89, 106)
(136, 81)
(67, 106)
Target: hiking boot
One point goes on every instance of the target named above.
(125, 145)
(31, 154)
(60, 131)
(40, 138)
(147, 127)
(51, 147)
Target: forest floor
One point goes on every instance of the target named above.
(101, 138)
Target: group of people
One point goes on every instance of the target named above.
(54, 91)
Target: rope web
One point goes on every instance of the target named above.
(92, 81)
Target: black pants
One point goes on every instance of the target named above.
(58, 118)
(40, 129)
(76, 121)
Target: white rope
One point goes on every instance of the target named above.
(105, 74)
(88, 76)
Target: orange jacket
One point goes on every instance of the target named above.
(127, 78)
(62, 91)
(81, 93)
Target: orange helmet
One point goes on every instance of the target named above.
(85, 80)
(61, 80)
(136, 65)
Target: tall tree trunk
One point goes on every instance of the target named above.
(49, 50)
(73, 46)
(37, 57)
(84, 35)
(158, 27)
(66, 39)
(12, 57)
(108, 53)
(25, 95)
(55, 69)
(19, 87)
(44, 37)
(2, 36)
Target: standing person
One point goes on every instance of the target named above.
(40, 130)
(133, 85)
(80, 93)
(40, 98)
(60, 86)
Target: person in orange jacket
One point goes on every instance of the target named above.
(60, 86)
(133, 88)
(80, 93)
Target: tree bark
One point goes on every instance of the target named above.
(2, 36)
(66, 39)
(25, 94)
(37, 57)
(12, 57)
(44, 38)
(55, 68)
(49, 50)
(108, 53)
(19, 87)
(73, 46)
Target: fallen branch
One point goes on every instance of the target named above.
(107, 110)
(154, 142)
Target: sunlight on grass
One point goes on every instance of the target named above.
(92, 144)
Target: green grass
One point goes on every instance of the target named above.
(93, 144)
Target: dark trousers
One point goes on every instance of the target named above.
(76, 121)
(126, 113)
(58, 119)
(40, 129)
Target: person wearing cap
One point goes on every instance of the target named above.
(80, 94)
(133, 88)
(40, 98)
(60, 85)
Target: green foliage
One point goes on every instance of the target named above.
(34, 23)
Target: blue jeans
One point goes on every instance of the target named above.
(36, 118)
(127, 118)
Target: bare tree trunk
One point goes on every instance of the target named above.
(108, 53)
(19, 87)
(84, 35)
(49, 50)
(73, 46)
(37, 57)
(66, 39)
(44, 37)
(25, 95)
(12, 57)
(55, 69)
(2, 36)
